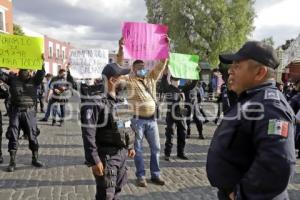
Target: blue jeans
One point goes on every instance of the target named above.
(50, 106)
(148, 128)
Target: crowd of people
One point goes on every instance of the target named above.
(253, 145)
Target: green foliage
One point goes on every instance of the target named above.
(269, 41)
(204, 27)
(18, 30)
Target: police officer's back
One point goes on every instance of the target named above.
(252, 153)
(107, 137)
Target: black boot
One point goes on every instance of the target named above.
(200, 130)
(1, 157)
(35, 162)
(12, 163)
(188, 135)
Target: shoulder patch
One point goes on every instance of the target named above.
(89, 114)
(278, 127)
(272, 94)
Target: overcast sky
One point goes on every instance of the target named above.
(98, 23)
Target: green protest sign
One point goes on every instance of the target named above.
(184, 66)
(21, 52)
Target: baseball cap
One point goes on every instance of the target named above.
(113, 69)
(258, 51)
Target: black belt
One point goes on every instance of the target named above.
(109, 150)
(145, 118)
(24, 109)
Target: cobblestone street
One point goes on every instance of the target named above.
(65, 177)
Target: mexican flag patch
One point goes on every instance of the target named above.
(278, 127)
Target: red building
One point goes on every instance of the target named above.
(56, 55)
(292, 71)
(6, 16)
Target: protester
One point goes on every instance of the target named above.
(253, 147)
(106, 137)
(22, 112)
(141, 89)
(58, 95)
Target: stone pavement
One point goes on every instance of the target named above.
(66, 178)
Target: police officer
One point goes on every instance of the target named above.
(252, 154)
(176, 115)
(3, 94)
(227, 97)
(23, 91)
(1, 132)
(107, 137)
(295, 104)
(193, 99)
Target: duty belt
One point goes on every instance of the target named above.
(23, 109)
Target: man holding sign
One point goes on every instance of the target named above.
(141, 87)
(23, 91)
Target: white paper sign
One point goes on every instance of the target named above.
(88, 63)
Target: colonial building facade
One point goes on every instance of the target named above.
(290, 61)
(6, 16)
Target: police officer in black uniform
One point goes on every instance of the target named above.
(193, 99)
(23, 91)
(176, 115)
(295, 104)
(227, 97)
(1, 132)
(252, 154)
(107, 137)
(3, 95)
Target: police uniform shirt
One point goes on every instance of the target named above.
(252, 151)
(99, 126)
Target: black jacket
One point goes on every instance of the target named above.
(252, 151)
(100, 118)
(174, 96)
(23, 92)
(62, 88)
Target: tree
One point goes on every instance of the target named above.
(18, 30)
(204, 27)
(269, 41)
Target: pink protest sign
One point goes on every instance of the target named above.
(145, 41)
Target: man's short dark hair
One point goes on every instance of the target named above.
(61, 71)
(136, 62)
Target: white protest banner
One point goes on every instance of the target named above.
(88, 63)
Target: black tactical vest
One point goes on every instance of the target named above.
(23, 92)
(115, 130)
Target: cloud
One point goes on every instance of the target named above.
(279, 33)
(89, 23)
(279, 20)
(98, 23)
(263, 4)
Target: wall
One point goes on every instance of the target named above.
(6, 7)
